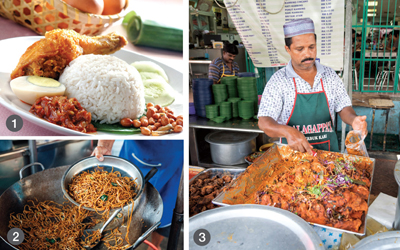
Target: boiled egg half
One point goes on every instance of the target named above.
(29, 88)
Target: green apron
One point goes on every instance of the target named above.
(310, 115)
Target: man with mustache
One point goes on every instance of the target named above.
(224, 66)
(300, 100)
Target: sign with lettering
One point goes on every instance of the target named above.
(261, 31)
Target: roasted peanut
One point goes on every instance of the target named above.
(149, 105)
(156, 116)
(136, 123)
(151, 121)
(150, 112)
(171, 116)
(178, 129)
(171, 120)
(179, 122)
(144, 121)
(164, 120)
(157, 124)
(126, 122)
(173, 124)
(179, 117)
(152, 127)
(157, 107)
(161, 110)
(145, 131)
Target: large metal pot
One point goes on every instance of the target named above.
(230, 148)
(46, 185)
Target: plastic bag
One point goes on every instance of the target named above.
(355, 143)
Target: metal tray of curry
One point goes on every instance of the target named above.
(330, 190)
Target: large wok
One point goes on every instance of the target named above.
(46, 185)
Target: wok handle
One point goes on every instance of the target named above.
(27, 166)
(145, 235)
(150, 174)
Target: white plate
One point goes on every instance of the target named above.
(12, 49)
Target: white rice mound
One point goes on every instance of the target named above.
(106, 86)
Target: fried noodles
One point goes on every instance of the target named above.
(102, 190)
(49, 225)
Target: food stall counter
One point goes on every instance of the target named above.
(240, 125)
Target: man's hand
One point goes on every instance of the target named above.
(297, 141)
(360, 124)
(103, 148)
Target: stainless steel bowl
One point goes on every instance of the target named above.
(230, 148)
(125, 167)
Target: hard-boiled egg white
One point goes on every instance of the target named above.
(29, 88)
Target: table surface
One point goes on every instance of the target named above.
(147, 9)
(363, 101)
(237, 124)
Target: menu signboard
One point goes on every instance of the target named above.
(260, 26)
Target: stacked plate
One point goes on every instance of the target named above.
(246, 109)
(247, 74)
(220, 93)
(231, 84)
(226, 109)
(212, 111)
(202, 95)
(219, 119)
(235, 109)
(247, 87)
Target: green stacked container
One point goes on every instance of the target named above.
(235, 109)
(226, 110)
(212, 111)
(247, 88)
(231, 83)
(220, 93)
(246, 109)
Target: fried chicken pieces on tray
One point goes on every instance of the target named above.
(49, 56)
(330, 189)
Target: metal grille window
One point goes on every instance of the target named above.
(375, 45)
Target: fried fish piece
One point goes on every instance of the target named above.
(49, 56)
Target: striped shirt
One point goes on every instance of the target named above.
(279, 93)
(217, 67)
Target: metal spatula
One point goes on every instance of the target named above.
(89, 233)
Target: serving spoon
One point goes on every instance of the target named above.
(89, 233)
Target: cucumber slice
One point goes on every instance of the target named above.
(148, 66)
(159, 92)
(150, 75)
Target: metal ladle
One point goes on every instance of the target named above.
(89, 233)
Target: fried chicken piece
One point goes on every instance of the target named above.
(206, 199)
(227, 178)
(206, 190)
(351, 225)
(362, 191)
(49, 56)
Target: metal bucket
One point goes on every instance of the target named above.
(230, 148)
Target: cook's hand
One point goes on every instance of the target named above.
(99, 151)
(104, 147)
(360, 124)
(297, 141)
